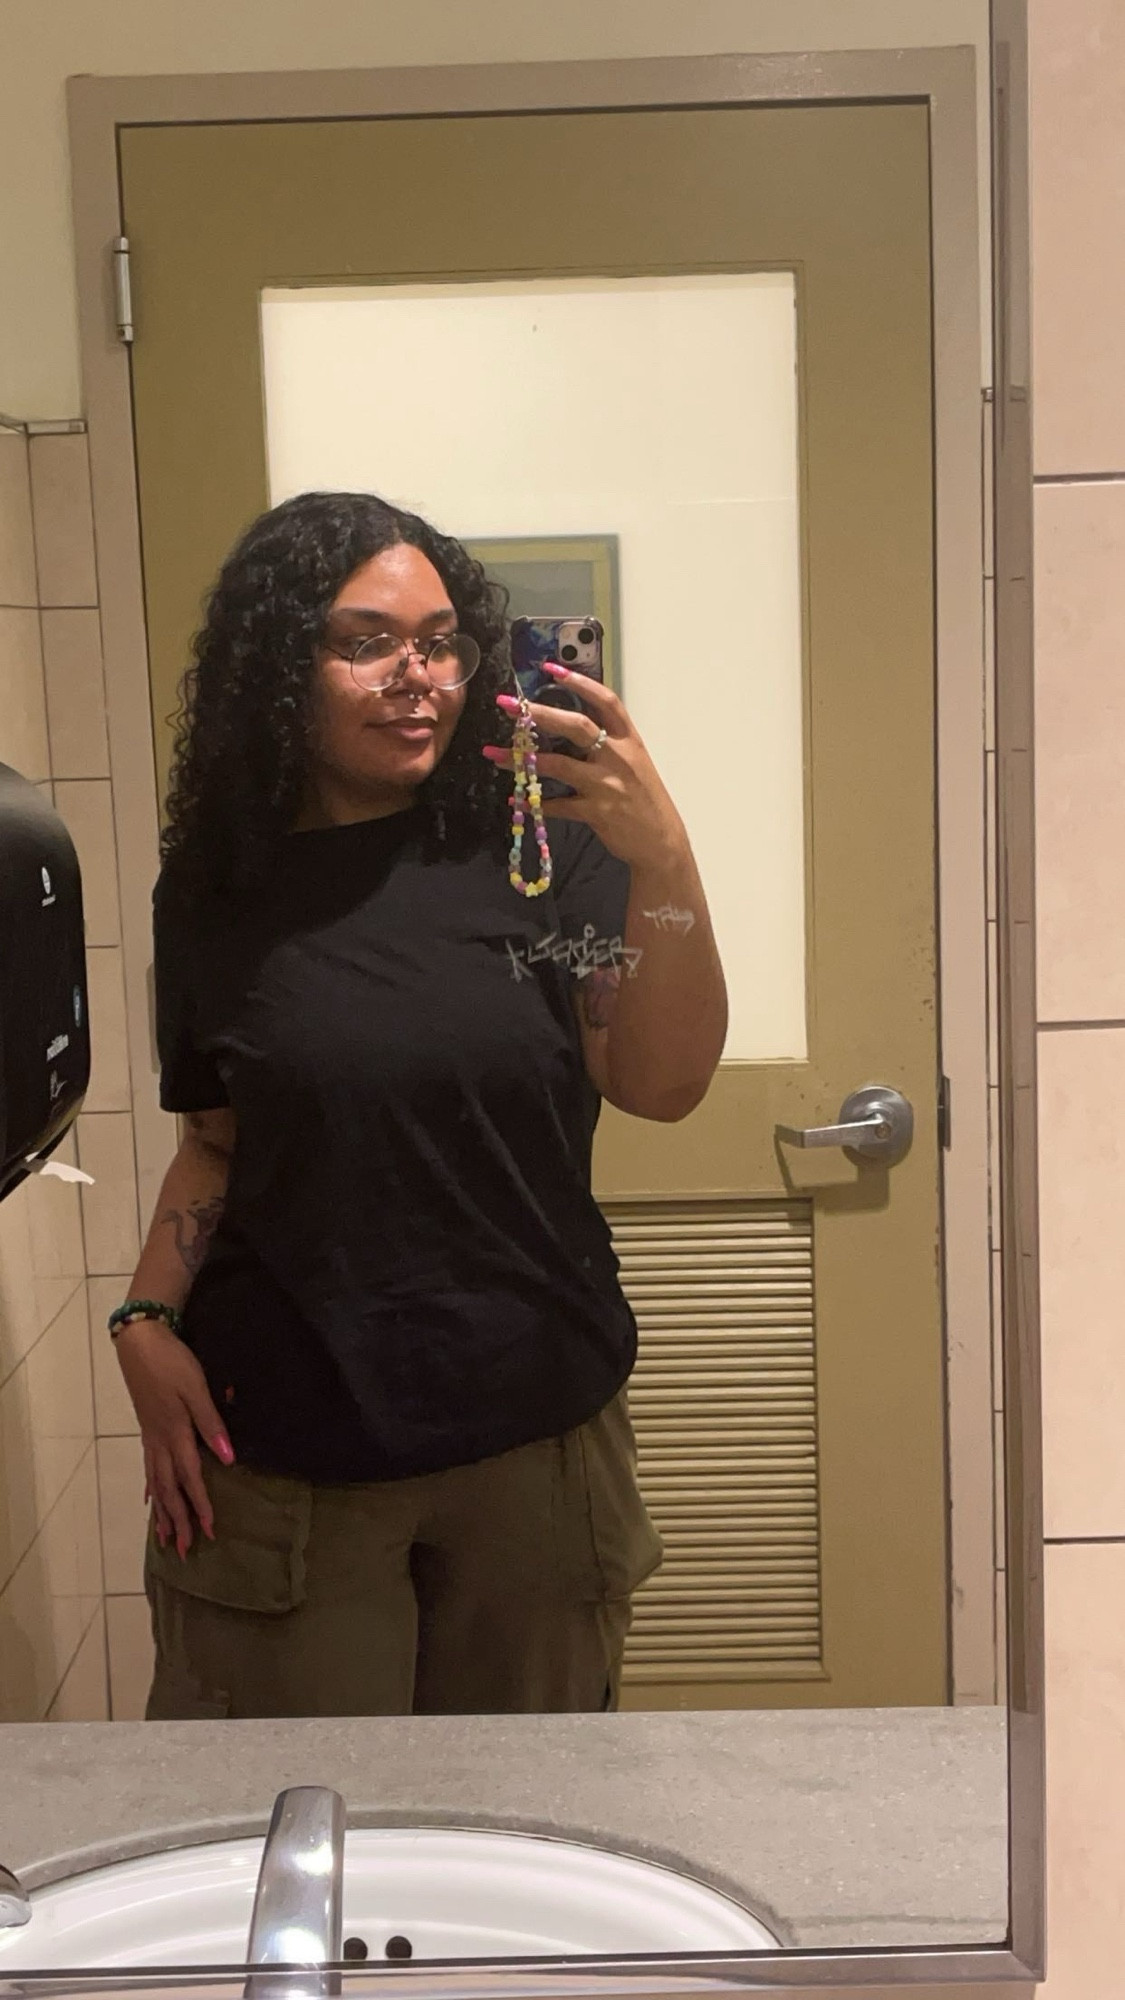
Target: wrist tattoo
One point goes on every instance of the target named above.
(669, 918)
(598, 992)
(194, 1229)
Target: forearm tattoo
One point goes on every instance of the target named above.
(598, 992)
(194, 1229)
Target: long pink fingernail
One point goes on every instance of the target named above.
(509, 703)
(223, 1449)
(494, 755)
(552, 667)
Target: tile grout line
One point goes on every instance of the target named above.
(51, 1511)
(1083, 1541)
(100, 1606)
(1079, 479)
(115, 827)
(37, 563)
(1075, 1027)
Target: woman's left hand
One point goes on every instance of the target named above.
(618, 790)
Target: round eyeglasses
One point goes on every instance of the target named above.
(381, 662)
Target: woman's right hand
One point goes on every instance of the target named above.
(174, 1409)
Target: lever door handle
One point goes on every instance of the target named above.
(876, 1123)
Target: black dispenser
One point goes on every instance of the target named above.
(44, 1032)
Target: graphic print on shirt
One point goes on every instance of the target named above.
(580, 956)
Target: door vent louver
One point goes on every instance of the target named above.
(724, 1405)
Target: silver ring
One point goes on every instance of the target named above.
(597, 744)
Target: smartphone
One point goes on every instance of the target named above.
(570, 642)
(576, 643)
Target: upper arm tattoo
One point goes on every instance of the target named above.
(194, 1229)
(597, 994)
(213, 1130)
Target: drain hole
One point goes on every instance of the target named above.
(398, 1947)
(354, 1948)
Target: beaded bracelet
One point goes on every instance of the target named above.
(135, 1309)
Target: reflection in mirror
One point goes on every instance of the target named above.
(378, 1288)
(564, 1289)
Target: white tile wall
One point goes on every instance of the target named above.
(76, 717)
(1086, 1769)
(86, 804)
(1078, 214)
(114, 1413)
(121, 1480)
(53, 1653)
(64, 521)
(109, 1208)
(110, 1086)
(1078, 189)
(60, 1398)
(84, 1694)
(18, 582)
(23, 705)
(49, 1604)
(18, 1518)
(21, 1316)
(1082, 1184)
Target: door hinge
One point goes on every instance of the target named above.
(945, 1114)
(122, 290)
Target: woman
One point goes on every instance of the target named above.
(376, 1341)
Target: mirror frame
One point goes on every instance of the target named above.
(98, 106)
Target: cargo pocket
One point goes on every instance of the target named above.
(257, 1559)
(217, 1617)
(612, 1546)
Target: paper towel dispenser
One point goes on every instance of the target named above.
(44, 1032)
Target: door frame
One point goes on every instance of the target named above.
(969, 756)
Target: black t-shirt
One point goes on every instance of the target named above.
(410, 1272)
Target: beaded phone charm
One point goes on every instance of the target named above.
(527, 798)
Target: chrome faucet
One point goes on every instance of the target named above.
(298, 1916)
(15, 1908)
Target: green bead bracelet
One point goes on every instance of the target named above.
(135, 1309)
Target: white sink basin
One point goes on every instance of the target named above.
(442, 1892)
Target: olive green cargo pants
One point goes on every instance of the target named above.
(498, 1588)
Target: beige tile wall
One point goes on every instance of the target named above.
(50, 1570)
(52, 1639)
(64, 542)
(1078, 184)
(67, 1440)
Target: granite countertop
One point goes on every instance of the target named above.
(861, 1827)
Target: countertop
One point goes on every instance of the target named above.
(861, 1828)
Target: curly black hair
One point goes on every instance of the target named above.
(242, 732)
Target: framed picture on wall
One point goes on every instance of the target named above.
(559, 576)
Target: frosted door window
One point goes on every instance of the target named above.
(662, 411)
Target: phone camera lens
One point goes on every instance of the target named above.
(586, 636)
(569, 652)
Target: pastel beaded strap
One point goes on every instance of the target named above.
(527, 798)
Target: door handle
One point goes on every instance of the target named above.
(876, 1123)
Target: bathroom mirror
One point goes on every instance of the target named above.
(725, 355)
